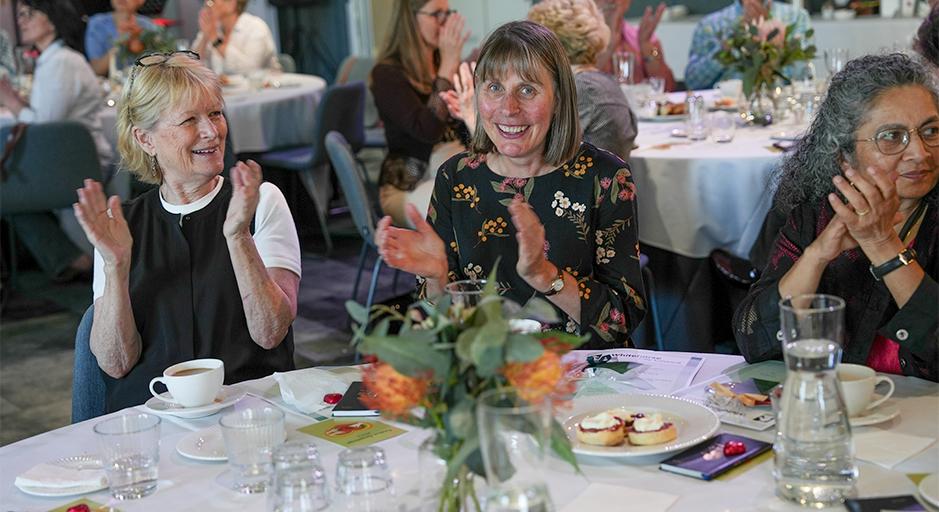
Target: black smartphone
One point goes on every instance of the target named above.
(351, 406)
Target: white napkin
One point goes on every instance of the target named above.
(52, 476)
(599, 497)
(305, 389)
(887, 449)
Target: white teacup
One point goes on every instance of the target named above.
(730, 88)
(192, 383)
(857, 384)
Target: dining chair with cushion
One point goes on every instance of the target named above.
(651, 323)
(88, 387)
(358, 68)
(339, 110)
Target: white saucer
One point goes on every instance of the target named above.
(76, 462)
(929, 489)
(228, 396)
(205, 445)
(885, 412)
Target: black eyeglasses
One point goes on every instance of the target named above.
(156, 59)
(440, 14)
(892, 141)
(25, 13)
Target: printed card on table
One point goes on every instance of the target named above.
(352, 434)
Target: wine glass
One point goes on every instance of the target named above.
(835, 60)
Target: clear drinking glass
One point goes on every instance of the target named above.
(465, 296)
(299, 483)
(696, 125)
(835, 60)
(624, 66)
(250, 437)
(723, 125)
(513, 437)
(130, 451)
(363, 481)
(814, 456)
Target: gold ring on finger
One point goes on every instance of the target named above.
(861, 214)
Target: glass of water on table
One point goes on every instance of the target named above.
(130, 451)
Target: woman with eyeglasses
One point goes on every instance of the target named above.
(233, 41)
(420, 57)
(64, 88)
(861, 196)
(200, 266)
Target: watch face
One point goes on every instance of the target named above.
(557, 285)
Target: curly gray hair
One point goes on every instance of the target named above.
(806, 174)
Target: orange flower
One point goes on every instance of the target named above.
(390, 392)
(536, 379)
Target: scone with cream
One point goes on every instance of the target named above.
(604, 429)
(651, 429)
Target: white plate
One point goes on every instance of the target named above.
(77, 462)
(885, 412)
(929, 489)
(205, 445)
(695, 423)
(664, 119)
(226, 397)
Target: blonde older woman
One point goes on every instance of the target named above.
(200, 266)
(233, 41)
(604, 113)
(557, 213)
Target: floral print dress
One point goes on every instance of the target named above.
(588, 208)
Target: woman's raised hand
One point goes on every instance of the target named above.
(450, 43)
(104, 224)
(650, 20)
(530, 235)
(419, 251)
(461, 100)
(208, 25)
(246, 192)
(872, 203)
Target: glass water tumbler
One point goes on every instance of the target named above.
(814, 456)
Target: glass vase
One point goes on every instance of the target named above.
(760, 108)
(437, 492)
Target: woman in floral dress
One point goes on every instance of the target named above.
(556, 213)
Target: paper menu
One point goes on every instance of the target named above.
(632, 370)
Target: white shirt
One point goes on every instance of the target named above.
(275, 234)
(250, 48)
(65, 88)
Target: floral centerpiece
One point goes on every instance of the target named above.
(761, 50)
(433, 370)
(137, 41)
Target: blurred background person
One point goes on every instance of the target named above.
(199, 266)
(64, 88)
(639, 41)
(418, 62)
(232, 41)
(862, 199)
(604, 113)
(106, 27)
(927, 40)
(704, 70)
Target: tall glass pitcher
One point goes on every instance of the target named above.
(814, 455)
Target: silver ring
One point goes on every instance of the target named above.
(110, 214)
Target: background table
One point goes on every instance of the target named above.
(190, 485)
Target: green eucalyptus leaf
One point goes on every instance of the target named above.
(467, 454)
(357, 312)
(464, 343)
(561, 445)
(538, 309)
(521, 348)
(486, 349)
(413, 356)
(461, 420)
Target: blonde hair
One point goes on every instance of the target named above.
(404, 44)
(150, 92)
(525, 47)
(578, 24)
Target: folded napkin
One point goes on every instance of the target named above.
(305, 389)
(886, 448)
(53, 476)
(600, 496)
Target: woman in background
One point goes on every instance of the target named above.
(639, 41)
(232, 41)
(421, 55)
(64, 89)
(106, 27)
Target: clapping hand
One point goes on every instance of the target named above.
(461, 100)
(754, 10)
(650, 21)
(208, 24)
(246, 193)
(530, 235)
(450, 43)
(419, 251)
(872, 204)
(103, 222)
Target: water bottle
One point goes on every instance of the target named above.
(814, 456)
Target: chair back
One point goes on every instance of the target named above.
(50, 162)
(287, 64)
(340, 110)
(353, 185)
(88, 388)
(358, 68)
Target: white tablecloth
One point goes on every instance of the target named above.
(697, 196)
(190, 485)
(272, 117)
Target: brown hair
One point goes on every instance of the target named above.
(181, 80)
(524, 47)
(404, 43)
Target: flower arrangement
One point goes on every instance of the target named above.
(433, 370)
(761, 50)
(137, 41)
